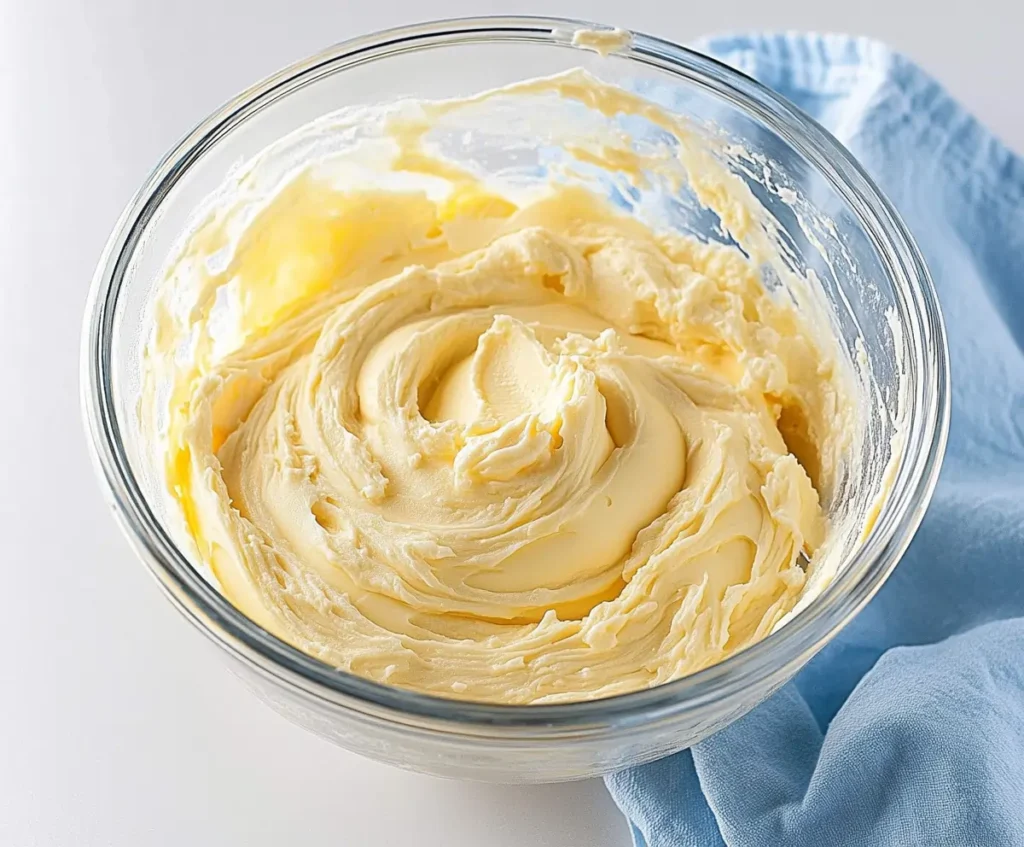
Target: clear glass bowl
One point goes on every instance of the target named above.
(873, 269)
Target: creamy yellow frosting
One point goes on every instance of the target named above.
(500, 450)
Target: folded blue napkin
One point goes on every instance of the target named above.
(908, 729)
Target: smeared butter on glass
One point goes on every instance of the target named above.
(604, 42)
(504, 448)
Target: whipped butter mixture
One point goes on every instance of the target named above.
(490, 448)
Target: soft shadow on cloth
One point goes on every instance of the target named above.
(908, 729)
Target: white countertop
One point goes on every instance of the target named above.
(119, 726)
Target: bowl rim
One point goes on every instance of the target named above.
(781, 651)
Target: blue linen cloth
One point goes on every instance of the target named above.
(908, 729)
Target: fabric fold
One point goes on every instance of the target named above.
(908, 728)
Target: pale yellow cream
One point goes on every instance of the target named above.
(503, 453)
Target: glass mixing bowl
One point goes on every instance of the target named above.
(883, 310)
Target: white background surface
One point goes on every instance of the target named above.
(118, 725)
